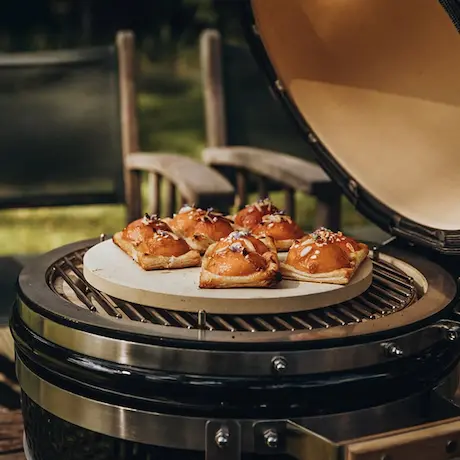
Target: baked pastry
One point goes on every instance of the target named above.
(200, 228)
(324, 257)
(251, 215)
(153, 245)
(240, 260)
(281, 228)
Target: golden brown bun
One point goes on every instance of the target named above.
(240, 260)
(251, 215)
(311, 258)
(215, 229)
(142, 229)
(200, 228)
(185, 220)
(324, 256)
(281, 228)
(153, 245)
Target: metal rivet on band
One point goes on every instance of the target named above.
(279, 364)
(271, 439)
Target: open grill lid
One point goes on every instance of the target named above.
(375, 87)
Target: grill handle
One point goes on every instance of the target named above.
(432, 441)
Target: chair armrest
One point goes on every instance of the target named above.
(196, 182)
(282, 168)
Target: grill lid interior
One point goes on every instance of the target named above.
(378, 84)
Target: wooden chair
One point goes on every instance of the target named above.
(247, 129)
(69, 136)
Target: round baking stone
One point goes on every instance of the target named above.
(107, 268)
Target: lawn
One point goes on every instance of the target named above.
(170, 120)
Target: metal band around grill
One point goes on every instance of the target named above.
(189, 433)
(258, 363)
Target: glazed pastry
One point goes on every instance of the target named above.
(251, 215)
(153, 245)
(200, 228)
(240, 260)
(324, 257)
(281, 228)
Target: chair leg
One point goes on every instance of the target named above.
(328, 209)
(153, 193)
(133, 196)
(241, 189)
(262, 187)
(289, 201)
(170, 205)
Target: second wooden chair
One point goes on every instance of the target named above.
(247, 129)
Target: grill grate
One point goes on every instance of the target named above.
(391, 290)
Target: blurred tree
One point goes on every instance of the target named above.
(228, 19)
(161, 26)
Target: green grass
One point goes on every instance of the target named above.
(29, 231)
(170, 120)
(171, 110)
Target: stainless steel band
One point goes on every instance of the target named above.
(123, 423)
(200, 434)
(257, 363)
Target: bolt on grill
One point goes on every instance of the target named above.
(391, 290)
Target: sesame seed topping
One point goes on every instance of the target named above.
(186, 208)
(238, 234)
(236, 247)
(149, 219)
(350, 247)
(276, 217)
(324, 236)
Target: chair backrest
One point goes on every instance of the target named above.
(241, 108)
(60, 140)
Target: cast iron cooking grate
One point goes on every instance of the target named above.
(391, 291)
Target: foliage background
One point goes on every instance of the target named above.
(169, 93)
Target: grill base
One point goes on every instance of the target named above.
(105, 431)
(51, 438)
(48, 437)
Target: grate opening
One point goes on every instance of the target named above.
(391, 290)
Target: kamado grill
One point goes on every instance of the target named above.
(372, 377)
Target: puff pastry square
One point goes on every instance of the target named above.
(200, 228)
(324, 257)
(240, 260)
(152, 244)
(281, 228)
